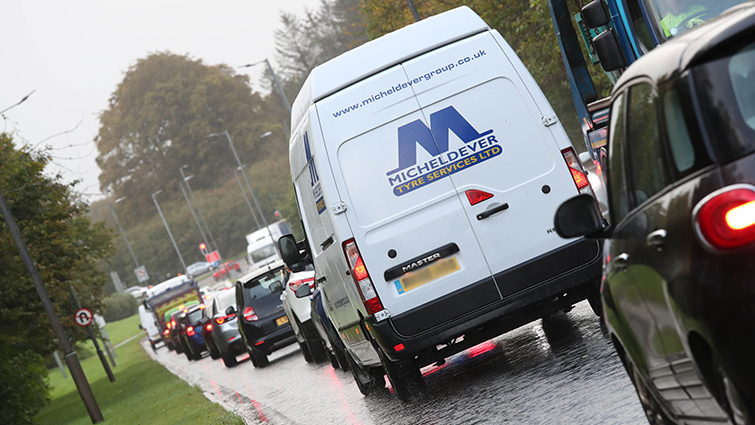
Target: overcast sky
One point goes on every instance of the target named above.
(75, 52)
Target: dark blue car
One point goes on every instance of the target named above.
(191, 332)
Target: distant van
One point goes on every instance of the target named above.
(149, 324)
(428, 166)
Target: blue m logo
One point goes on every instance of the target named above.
(434, 140)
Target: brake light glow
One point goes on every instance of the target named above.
(166, 332)
(249, 314)
(221, 320)
(208, 327)
(725, 219)
(202, 306)
(361, 277)
(577, 172)
(296, 284)
(399, 347)
(477, 196)
(259, 343)
(190, 331)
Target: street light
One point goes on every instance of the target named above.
(196, 203)
(248, 185)
(246, 198)
(168, 229)
(117, 223)
(275, 80)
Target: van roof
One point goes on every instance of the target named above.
(384, 52)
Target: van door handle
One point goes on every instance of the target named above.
(485, 214)
(327, 243)
(656, 239)
(621, 261)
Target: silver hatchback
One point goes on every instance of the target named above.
(225, 328)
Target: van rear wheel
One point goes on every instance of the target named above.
(404, 376)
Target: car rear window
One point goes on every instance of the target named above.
(225, 300)
(258, 286)
(726, 87)
(195, 316)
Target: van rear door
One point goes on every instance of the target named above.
(492, 139)
(396, 226)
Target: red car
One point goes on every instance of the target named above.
(224, 270)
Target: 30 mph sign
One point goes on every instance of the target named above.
(83, 317)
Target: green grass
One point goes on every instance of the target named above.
(144, 392)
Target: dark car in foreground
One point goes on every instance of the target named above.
(261, 320)
(678, 286)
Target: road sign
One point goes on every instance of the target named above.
(83, 317)
(212, 257)
(141, 274)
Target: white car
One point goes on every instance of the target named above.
(136, 291)
(298, 311)
(199, 268)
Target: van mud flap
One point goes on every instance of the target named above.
(535, 272)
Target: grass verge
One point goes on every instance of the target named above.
(144, 393)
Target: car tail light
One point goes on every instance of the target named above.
(166, 331)
(202, 306)
(477, 196)
(221, 320)
(296, 284)
(362, 277)
(249, 314)
(190, 331)
(208, 327)
(725, 219)
(577, 172)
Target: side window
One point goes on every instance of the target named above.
(686, 147)
(617, 188)
(648, 174)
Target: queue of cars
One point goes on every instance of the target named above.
(386, 290)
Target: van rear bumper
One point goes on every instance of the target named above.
(494, 318)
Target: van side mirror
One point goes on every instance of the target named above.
(595, 14)
(230, 310)
(579, 216)
(303, 291)
(606, 45)
(291, 253)
(140, 326)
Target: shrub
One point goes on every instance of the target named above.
(119, 306)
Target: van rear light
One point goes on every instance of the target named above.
(190, 331)
(361, 277)
(725, 219)
(250, 315)
(296, 284)
(577, 172)
(477, 196)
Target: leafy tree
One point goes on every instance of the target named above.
(158, 120)
(65, 246)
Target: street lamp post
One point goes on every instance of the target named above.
(246, 198)
(199, 211)
(117, 223)
(275, 80)
(180, 257)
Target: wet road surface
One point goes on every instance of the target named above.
(559, 370)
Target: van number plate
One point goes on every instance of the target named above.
(281, 320)
(425, 275)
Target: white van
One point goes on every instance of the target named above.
(428, 166)
(149, 324)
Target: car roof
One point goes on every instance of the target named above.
(678, 54)
(262, 270)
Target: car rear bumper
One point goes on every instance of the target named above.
(487, 320)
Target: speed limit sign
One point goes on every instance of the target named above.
(83, 317)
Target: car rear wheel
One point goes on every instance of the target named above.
(305, 351)
(229, 360)
(214, 351)
(189, 354)
(259, 357)
(404, 376)
(731, 398)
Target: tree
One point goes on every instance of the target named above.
(158, 119)
(65, 247)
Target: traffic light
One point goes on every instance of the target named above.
(203, 248)
(277, 214)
